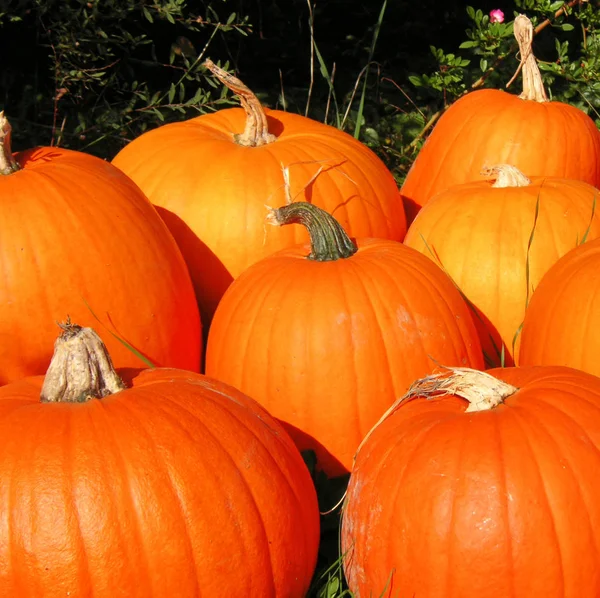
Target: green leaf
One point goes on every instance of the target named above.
(333, 587)
(172, 91)
(371, 135)
(415, 80)
(483, 64)
(556, 5)
(567, 27)
(468, 44)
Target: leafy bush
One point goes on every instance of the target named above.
(97, 73)
(567, 46)
(94, 74)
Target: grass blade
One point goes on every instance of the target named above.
(499, 352)
(127, 345)
(587, 230)
(528, 266)
(361, 105)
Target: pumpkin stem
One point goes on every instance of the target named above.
(533, 86)
(480, 389)
(256, 132)
(8, 164)
(328, 240)
(506, 175)
(80, 369)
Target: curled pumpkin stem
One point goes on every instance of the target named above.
(256, 132)
(481, 390)
(533, 86)
(8, 164)
(328, 240)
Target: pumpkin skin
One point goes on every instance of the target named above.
(479, 234)
(212, 191)
(78, 237)
(490, 126)
(447, 504)
(327, 346)
(178, 484)
(562, 322)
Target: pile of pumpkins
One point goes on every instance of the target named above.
(437, 342)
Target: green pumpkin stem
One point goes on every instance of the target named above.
(533, 86)
(328, 240)
(80, 369)
(8, 164)
(256, 132)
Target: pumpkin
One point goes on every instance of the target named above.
(211, 177)
(326, 336)
(497, 238)
(562, 322)
(77, 236)
(480, 484)
(174, 485)
(490, 126)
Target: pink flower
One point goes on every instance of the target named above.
(496, 16)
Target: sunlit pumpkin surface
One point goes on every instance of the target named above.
(497, 503)
(328, 346)
(79, 239)
(214, 192)
(496, 244)
(562, 323)
(490, 127)
(179, 486)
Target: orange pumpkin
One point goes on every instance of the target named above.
(211, 183)
(497, 239)
(77, 236)
(562, 322)
(494, 497)
(327, 342)
(176, 486)
(489, 126)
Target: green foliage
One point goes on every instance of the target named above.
(328, 581)
(94, 74)
(449, 79)
(571, 78)
(106, 70)
(567, 46)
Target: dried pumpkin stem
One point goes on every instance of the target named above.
(533, 86)
(506, 175)
(81, 368)
(256, 132)
(8, 164)
(328, 240)
(481, 390)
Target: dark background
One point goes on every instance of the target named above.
(52, 41)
